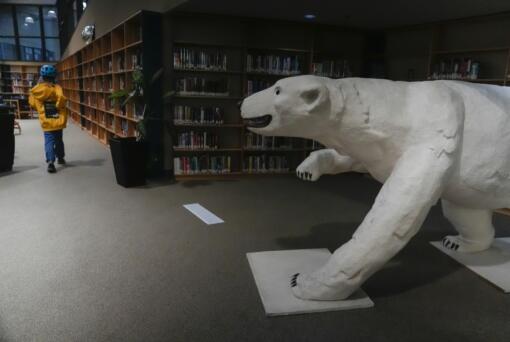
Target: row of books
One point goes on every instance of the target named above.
(254, 86)
(198, 115)
(100, 85)
(256, 141)
(265, 164)
(202, 86)
(315, 145)
(456, 69)
(333, 69)
(20, 78)
(91, 69)
(273, 64)
(186, 58)
(197, 140)
(202, 165)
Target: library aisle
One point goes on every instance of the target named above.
(82, 259)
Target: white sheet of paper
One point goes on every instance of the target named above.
(203, 214)
(273, 271)
(492, 264)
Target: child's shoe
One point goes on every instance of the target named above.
(51, 168)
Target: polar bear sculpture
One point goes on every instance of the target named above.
(425, 141)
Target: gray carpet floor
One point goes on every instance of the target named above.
(82, 259)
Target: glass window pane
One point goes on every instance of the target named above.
(52, 49)
(50, 21)
(6, 22)
(7, 48)
(30, 49)
(28, 20)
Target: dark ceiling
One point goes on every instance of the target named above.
(356, 13)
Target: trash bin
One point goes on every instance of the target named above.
(6, 138)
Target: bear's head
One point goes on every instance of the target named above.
(299, 106)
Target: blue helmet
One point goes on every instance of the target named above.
(48, 71)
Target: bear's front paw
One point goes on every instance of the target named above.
(308, 170)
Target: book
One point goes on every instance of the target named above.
(265, 164)
(273, 64)
(184, 114)
(202, 86)
(199, 59)
(204, 164)
(456, 69)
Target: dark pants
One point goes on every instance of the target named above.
(53, 145)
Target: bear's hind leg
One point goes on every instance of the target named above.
(476, 232)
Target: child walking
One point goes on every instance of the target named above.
(49, 101)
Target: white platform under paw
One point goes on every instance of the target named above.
(492, 264)
(272, 272)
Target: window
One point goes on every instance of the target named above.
(52, 49)
(28, 21)
(8, 48)
(37, 32)
(31, 49)
(6, 22)
(50, 22)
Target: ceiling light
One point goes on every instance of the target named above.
(29, 20)
(52, 14)
(310, 16)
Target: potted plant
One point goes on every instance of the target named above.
(129, 154)
(6, 138)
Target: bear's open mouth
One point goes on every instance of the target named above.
(259, 121)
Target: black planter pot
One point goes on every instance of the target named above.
(129, 160)
(6, 138)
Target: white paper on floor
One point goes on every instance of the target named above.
(203, 214)
(272, 272)
(492, 264)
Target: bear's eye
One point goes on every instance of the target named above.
(277, 91)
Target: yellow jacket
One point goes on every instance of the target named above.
(50, 103)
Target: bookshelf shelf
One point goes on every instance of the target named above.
(206, 44)
(247, 58)
(464, 51)
(180, 149)
(268, 74)
(16, 80)
(204, 97)
(180, 70)
(208, 125)
(92, 74)
(272, 49)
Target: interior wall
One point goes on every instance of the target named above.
(107, 14)
(408, 49)
(407, 53)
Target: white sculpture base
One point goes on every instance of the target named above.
(492, 264)
(272, 272)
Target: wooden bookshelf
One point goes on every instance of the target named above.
(106, 65)
(195, 38)
(448, 43)
(16, 80)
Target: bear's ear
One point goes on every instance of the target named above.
(315, 96)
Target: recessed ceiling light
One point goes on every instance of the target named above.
(310, 16)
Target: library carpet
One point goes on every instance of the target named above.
(82, 259)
